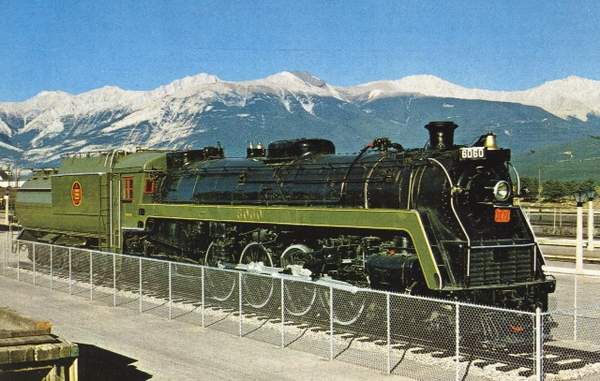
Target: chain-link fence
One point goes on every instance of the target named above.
(417, 337)
(572, 326)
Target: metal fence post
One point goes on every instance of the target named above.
(590, 227)
(18, 261)
(5, 256)
(70, 272)
(140, 306)
(6, 253)
(170, 293)
(330, 322)
(51, 268)
(560, 221)
(9, 251)
(389, 334)
(33, 248)
(202, 282)
(538, 344)
(575, 307)
(457, 342)
(240, 299)
(91, 276)
(282, 315)
(114, 263)
(579, 240)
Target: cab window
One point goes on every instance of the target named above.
(127, 188)
(149, 186)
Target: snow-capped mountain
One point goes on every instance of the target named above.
(203, 109)
(569, 97)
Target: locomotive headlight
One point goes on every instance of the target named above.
(502, 190)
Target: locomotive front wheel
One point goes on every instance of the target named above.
(220, 285)
(257, 289)
(300, 296)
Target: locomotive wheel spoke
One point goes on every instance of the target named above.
(300, 296)
(348, 306)
(257, 289)
(221, 285)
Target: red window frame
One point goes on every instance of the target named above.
(149, 186)
(127, 188)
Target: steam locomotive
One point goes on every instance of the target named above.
(439, 221)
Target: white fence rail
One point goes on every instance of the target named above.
(557, 221)
(417, 337)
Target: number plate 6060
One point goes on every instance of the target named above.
(472, 153)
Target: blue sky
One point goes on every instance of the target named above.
(76, 46)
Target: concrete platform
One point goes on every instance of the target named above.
(142, 346)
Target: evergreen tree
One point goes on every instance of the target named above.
(556, 190)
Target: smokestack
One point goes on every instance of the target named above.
(441, 135)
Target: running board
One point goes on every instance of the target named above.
(276, 272)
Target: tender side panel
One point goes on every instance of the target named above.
(89, 214)
(33, 206)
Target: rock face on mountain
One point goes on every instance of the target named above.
(201, 110)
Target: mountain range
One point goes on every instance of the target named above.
(202, 110)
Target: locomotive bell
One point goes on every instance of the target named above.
(488, 141)
(441, 134)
